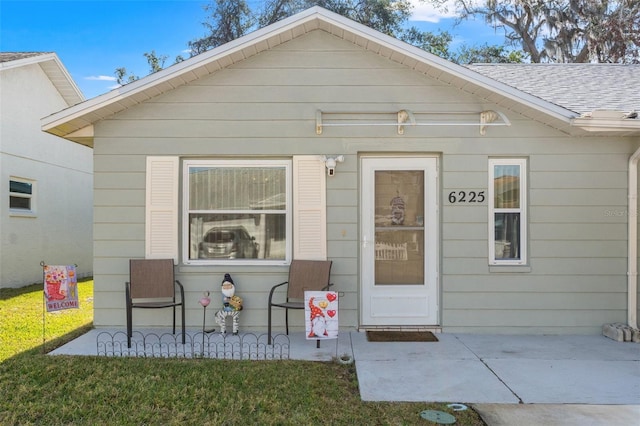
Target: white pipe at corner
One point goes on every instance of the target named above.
(632, 220)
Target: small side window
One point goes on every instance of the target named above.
(21, 196)
(507, 211)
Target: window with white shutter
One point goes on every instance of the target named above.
(237, 211)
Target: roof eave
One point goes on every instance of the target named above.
(314, 18)
(617, 126)
(55, 71)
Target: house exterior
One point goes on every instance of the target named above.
(45, 181)
(446, 199)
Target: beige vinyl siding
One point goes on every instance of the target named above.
(577, 246)
(266, 106)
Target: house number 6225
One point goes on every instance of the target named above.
(466, 197)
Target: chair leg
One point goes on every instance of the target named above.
(184, 338)
(174, 319)
(129, 326)
(286, 320)
(269, 342)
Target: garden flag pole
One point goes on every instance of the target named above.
(60, 285)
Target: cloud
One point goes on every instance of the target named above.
(425, 11)
(100, 78)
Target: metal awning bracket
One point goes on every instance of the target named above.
(404, 116)
(318, 122)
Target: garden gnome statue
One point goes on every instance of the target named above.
(231, 305)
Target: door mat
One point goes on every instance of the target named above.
(401, 336)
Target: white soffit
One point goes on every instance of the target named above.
(55, 71)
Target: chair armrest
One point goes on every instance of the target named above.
(326, 288)
(274, 289)
(181, 291)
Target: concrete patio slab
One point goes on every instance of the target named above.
(438, 380)
(594, 347)
(464, 368)
(154, 342)
(548, 381)
(558, 414)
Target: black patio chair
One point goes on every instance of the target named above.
(304, 275)
(153, 285)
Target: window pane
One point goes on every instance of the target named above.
(399, 257)
(507, 235)
(237, 236)
(506, 186)
(399, 197)
(20, 187)
(237, 188)
(20, 203)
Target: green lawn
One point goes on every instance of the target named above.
(39, 389)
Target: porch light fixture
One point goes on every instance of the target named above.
(330, 163)
(405, 117)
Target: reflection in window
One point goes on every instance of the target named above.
(507, 184)
(20, 194)
(399, 222)
(237, 210)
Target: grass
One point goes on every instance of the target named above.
(21, 310)
(80, 390)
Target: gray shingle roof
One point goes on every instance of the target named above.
(580, 88)
(15, 56)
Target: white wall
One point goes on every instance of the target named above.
(60, 232)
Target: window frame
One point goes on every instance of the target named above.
(232, 163)
(16, 211)
(522, 210)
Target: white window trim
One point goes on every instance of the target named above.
(235, 163)
(524, 241)
(32, 211)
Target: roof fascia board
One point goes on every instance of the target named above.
(606, 125)
(42, 59)
(31, 60)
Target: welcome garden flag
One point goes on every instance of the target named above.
(60, 287)
(321, 314)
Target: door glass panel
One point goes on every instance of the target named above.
(399, 223)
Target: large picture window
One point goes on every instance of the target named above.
(237, 211)
(507, 211)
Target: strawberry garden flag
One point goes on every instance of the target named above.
(60, 287)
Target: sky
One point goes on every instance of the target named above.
(94, 37)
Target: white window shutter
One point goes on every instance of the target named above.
(161, 222)
(309, 208)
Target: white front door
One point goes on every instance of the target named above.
(399, 241)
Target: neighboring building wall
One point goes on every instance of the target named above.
(60, 231)
(266, 106)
